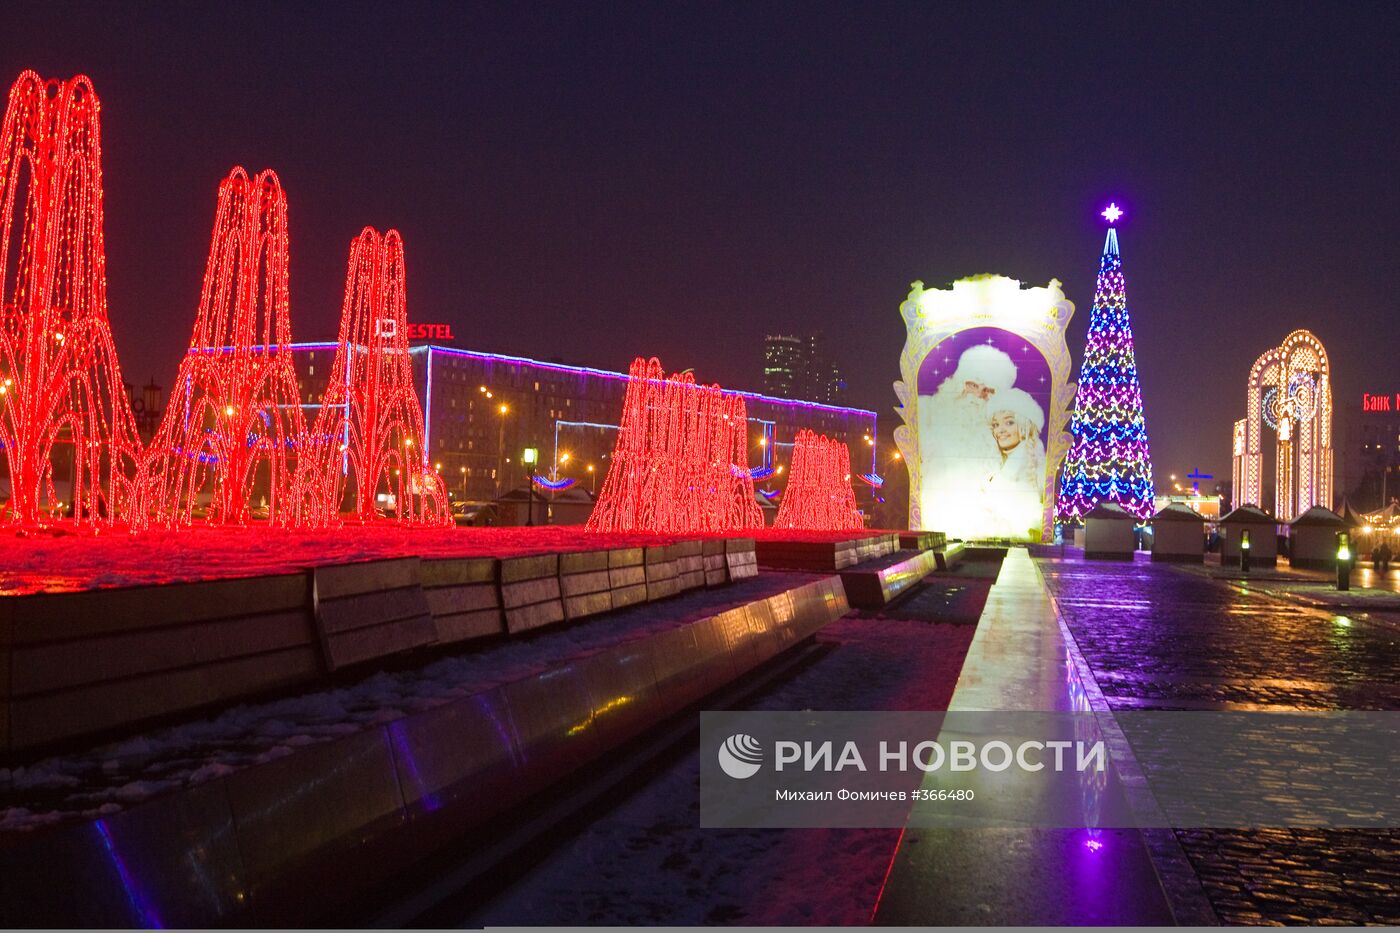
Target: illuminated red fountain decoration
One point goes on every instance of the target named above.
(370, 427)
(681, 463)
(64, 414)
(233, 436)
(819, 495)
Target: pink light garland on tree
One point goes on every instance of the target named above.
(370, 426)
(60, 384)
(819, 496)
(680, 464)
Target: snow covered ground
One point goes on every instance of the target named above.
(648, 862)
(111, 777)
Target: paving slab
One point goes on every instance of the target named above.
(1158, 638)
(1019, 660)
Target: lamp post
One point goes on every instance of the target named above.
(592, 480)
(502, 409)
(1244, 551)
(558, 472)
(464, 483)
(501, 449)
(528, 457)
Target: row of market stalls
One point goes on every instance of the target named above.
(1177, 533)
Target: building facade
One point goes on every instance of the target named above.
(800, 368)
(482, 410)
(1370, 451)
(147, 405)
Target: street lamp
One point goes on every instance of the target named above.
(464, 483)
(528, 457)
(592, 480)
(502, 409)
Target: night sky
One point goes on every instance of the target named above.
(597, 181)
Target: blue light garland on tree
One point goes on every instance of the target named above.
(1109, 459)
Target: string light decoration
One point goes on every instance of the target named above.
(545, 484)
(819, 495)
(63, 407)
(369, 430)
(679, 466)
(873, 480)
(233, 432)
(1108, 459)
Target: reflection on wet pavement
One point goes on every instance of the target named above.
(1160, 638)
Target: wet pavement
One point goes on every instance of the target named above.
(1158, 637)
(1023, 875)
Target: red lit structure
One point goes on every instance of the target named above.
(680, 465)
(370, 426)
(64, 414)
(819, 495)
(233, 434)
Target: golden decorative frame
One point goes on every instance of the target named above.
(1037, 315)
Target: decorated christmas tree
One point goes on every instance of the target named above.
(1108, 459)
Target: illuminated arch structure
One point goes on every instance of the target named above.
(233, 430)
(60, 384)
(370, 426)
(1289, 391)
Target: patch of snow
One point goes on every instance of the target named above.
(137, 768)
(648, 862)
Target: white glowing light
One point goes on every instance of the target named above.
(1112, 213)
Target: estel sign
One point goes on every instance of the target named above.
(1371, 402)
(430, 332)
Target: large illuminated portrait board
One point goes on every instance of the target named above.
(984, 394)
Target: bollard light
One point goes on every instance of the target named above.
(1343, 561)
(1244, 551)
